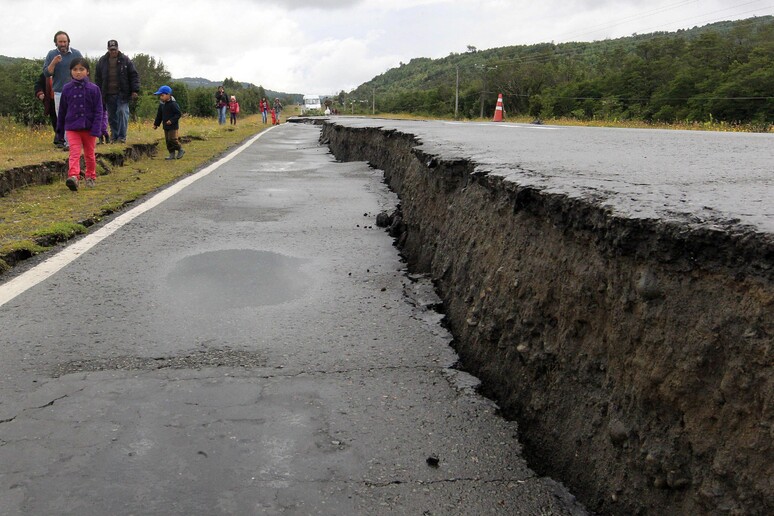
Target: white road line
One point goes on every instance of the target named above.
(44, 270)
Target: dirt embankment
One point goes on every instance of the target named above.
(50, 171)
(635, 355)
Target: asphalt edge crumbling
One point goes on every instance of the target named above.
(635, 354)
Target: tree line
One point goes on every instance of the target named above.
(719, 72)
(18, 77)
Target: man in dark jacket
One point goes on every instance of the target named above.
(119, 81)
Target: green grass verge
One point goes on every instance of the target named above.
(35, 217)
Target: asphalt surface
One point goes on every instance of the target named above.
(251, 345)
(722, 180)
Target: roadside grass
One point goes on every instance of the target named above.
(35, 217)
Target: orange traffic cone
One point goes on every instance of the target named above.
(499, 110)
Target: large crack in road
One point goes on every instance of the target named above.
(635, 354)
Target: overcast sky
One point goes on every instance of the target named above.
(325, 46)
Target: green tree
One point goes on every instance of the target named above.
(152, 73)
(181, 94)
(28, 109)
(230, 85)
(202, 102)
(147, 107)
(13, 85)
(746, 93)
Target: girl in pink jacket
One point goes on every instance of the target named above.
(233, 107)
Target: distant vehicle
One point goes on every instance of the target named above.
(311, 102)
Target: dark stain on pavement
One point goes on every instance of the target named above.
(237, 278)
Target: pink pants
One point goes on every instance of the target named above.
(82, 140)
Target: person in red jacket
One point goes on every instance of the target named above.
(264, 109)
(233, 107)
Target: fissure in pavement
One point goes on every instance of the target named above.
(635, 355)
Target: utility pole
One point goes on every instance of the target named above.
(483, 92)
(373, 101)
(457, 94)
(484, 70)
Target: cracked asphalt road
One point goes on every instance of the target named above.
(253, 345)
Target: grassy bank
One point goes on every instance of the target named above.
(35, 217)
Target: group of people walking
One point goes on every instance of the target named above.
(82, 110)
(115, 76)
(275, 111)
(224, 103)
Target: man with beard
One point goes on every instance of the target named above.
(119, 81)
(57, 66)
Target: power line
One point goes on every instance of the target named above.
(657, 99)
(769, 8)
(545, 57)
(646, 14)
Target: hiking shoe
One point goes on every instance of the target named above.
(90, 182)
(180, 153)
(171, 156)
(72, 183)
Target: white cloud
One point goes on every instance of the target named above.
(308, 45)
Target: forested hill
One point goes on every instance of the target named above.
(199, 82)
(721, 71)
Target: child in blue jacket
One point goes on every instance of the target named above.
(168, 116)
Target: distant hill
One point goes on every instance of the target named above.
(200, 82)
(422, 73)
(719, 72)
(5, 60)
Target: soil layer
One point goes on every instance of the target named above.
(50, 171)
(635, 354)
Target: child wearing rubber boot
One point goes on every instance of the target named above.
(168, 116)
(80, 117)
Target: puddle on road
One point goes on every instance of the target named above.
(237, 278)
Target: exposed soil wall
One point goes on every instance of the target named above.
(50, 171)
(635, 355)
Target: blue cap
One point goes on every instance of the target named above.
(165, 90)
